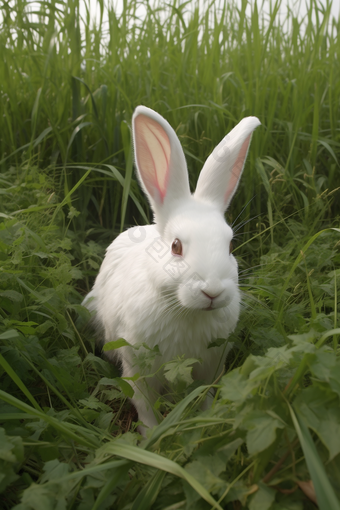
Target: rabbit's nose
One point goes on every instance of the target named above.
(212, 295)
(212, 288)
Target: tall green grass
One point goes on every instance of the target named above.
(68, 88)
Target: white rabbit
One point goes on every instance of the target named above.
(174, 283)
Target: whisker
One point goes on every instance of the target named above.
(240, 225)
(240, 234)
(250, 268)
(233, 223)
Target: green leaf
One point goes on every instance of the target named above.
(322, 364)
(53, 489)
(237, 491)
(222, 447)
(11, 456)
(321, 412)
(125, 387)
(304, 337)
(116, 344)
(248, 366)
(9, 335)
(178, 371)
(38, 497)
(217, 343)
(93, 403)
(206, 473)
(263, 498)
(261, 428)
(54, 469)
(121, 383)
(236, 387)
(13, 295)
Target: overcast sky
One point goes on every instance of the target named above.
(299, 6)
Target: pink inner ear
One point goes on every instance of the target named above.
(153, 152)
(237, 170)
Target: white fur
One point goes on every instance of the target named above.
(144, 293)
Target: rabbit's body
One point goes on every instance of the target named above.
(133, 297)
(173, 284)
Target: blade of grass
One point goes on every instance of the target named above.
(69, 194)
(73, 432)
(325, 494)
(294, 266)
(6, 366)
(174, 417)
(158, 462)
(112, 482)
(126, 136)
(150, 491)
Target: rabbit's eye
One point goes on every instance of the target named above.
(231, 247)
(176, 248)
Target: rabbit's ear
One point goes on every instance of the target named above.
(222, 170)
(160, 159)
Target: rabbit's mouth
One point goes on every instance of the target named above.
(207, 309)
(205, 299)
(217, 304)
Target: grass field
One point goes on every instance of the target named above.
(68, 88)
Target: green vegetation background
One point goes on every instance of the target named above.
(68, 88)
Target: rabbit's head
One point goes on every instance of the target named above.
(200, 267)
